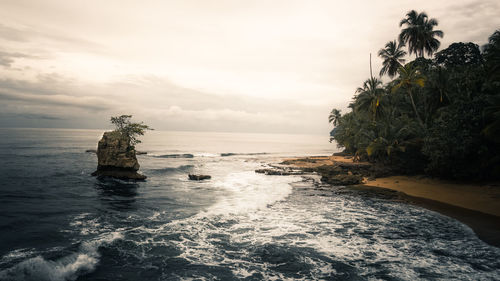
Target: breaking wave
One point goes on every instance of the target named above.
(65, 268)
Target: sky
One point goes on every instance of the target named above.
(219, 65)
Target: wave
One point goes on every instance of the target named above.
(234, 154)
(186, 155)
(167, 170)
(246, 191)
(65, 268)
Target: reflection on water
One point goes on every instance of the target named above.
(117, 194)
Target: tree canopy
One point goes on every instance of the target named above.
(393, 57)
(440, 115)
(459, 54)
(131, 130)
(419, 33)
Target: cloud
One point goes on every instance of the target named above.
(219, 115)
(88, 102)
(32, 116)
(6, 58)
(468, 21)
(42, 83)
(12, 34)
(156, 100)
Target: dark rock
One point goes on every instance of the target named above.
(91, 150)
(175, 156)
(116, 158)
(301, 160)
(273, 172)
(342, 179)
(199, 177)
(330, 170)
(356, 168)
(123, 174)
(279, 172)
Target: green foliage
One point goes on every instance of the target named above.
(454, 145)
(334, 117)
(393, 58)
(439, 115)
(410, 77)
(419, 33)
(459, 54)
(369, 97)
(131, 130)
(492, 56)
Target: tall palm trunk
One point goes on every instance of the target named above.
(415, 108)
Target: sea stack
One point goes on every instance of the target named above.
(117, 158)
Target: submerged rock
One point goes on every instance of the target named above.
(199, 177)
(116, 158)
(91, 150)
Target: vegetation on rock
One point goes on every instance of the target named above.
(128, 129)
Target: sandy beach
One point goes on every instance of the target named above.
(475, 204)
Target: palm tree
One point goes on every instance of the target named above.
(393, 58)
(419, 33)
(369, 96)
(410, 76)
(439, 82)
(394, 135)
(334, 117)
(492, 55)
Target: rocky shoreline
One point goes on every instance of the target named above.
(475, 205)
(335, 172)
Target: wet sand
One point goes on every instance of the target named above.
(474, 204)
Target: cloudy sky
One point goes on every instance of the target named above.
(218, 65)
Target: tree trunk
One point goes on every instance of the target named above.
(415, 108)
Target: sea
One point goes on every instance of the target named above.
(57, 222)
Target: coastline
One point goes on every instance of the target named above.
(474, 204)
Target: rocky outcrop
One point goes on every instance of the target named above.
(116, 158)
(199, 177)
(342, 179)
(279, 171)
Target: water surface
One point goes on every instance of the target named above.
(59, 223)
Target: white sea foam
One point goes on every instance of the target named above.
(248, 191)
(18, 254)
(65, 268)
(85, 225)
(252, 220)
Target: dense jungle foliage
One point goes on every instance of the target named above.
(439, 115)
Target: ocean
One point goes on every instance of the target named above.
(59, 223)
